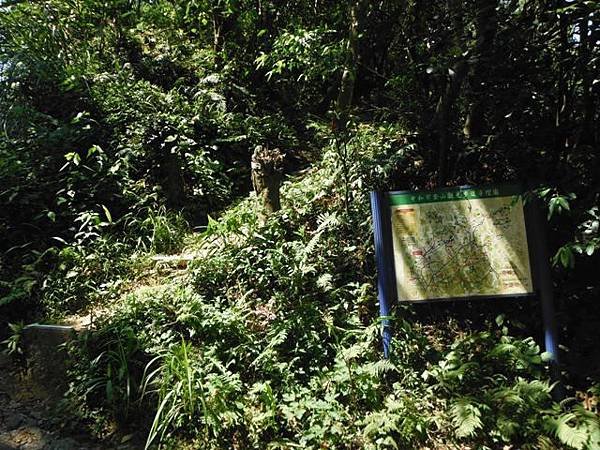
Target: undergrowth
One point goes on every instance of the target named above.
(270, 340)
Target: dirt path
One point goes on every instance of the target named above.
(27, 421)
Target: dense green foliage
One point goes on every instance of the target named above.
(127, 130)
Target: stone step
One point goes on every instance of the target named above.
(180, 261)
(46, 357)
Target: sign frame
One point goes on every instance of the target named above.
(539, 262)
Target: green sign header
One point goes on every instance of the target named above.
(453, 194)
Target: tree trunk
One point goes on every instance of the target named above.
(456, 75)
(586, 132)
(172, 180)
(485, 28)
(346, 92)
(562, 113)
(224, 22)
(441, 120)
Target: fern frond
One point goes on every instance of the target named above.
(545, 443)
(569, 432)
(326, 221)
(379, 422)
(378, 368)
(466, 417)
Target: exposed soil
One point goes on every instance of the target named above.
(29, 419)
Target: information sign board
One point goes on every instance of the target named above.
(463, 242)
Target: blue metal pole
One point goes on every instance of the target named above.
(383, 258)
(544, 285)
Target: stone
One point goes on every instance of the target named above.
(64, 444)
(12, 421)
(27, 438)
(46, 357)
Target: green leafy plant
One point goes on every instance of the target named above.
(189, 390)
(165, 231)
(14, 342)
(106, 370)
(578, 428)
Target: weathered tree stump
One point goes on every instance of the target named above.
(267, 174)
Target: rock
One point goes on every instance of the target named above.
(12, 421)
(180, 261)
(46, 358)
(27, 438)
(5, 361)
(4, 445)
(29, 423)
(63, 444)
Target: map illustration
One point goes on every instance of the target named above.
(460, 243)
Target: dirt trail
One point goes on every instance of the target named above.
(27, 421)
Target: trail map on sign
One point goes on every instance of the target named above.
(460, 243)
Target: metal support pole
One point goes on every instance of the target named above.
(380, 209)
(543, 279)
